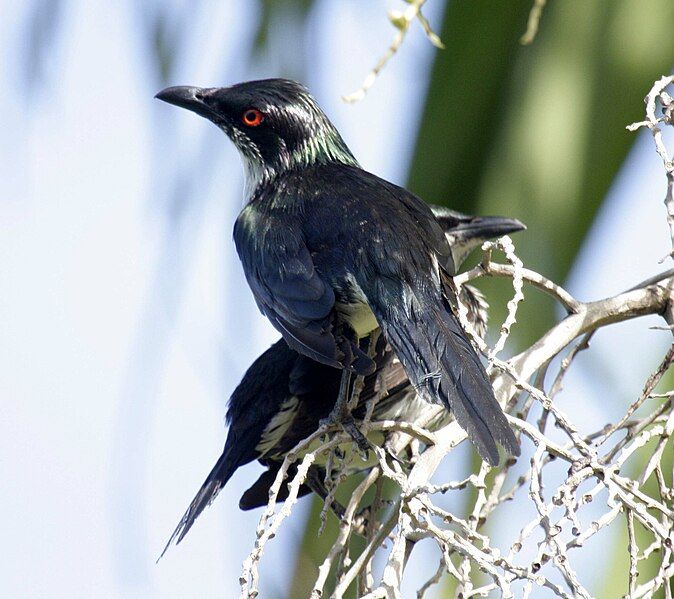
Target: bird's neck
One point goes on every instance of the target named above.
(324, 148)
(320, 149)
(257, 175)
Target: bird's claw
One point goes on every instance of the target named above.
(346, 421)
(349, 425)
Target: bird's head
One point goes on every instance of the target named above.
(466, 233)
(274, 123)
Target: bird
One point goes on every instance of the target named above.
(332, 252)
(284, 395)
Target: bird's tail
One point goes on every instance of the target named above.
(217, 478)
(444, 368)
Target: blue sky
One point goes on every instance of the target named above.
(125, 321)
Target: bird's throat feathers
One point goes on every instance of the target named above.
(324, 145)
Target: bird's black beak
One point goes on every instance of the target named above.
(485, 227)
(465, 233)
(192, 98)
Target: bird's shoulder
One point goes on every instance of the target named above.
(259, 223)
(376, 210)
(329, 199)
(278, 264)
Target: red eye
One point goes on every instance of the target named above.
(252, 117)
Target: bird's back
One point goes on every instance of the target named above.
(388, 242)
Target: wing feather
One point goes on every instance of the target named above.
(287, 287)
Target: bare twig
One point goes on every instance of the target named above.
(652, 381)
(652, 122)
(489, 268)
(401, 20)
(533, 22)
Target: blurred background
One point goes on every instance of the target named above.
(125, 321)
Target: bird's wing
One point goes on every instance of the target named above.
(390, 214)
(431, 228)
(257, 410)
(440, 361)
(405, 280)
(286, 285)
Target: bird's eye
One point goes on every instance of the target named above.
(252, 117)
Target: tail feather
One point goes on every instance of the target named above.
(216, 480)
(444, 367)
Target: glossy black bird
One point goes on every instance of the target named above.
(331, 252)
(284, 395)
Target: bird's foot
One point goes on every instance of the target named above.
(346, 421)
(350, 426)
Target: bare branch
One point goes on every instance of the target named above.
(401, 20)
(533, 22)
(652, 122)
(537, 280)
